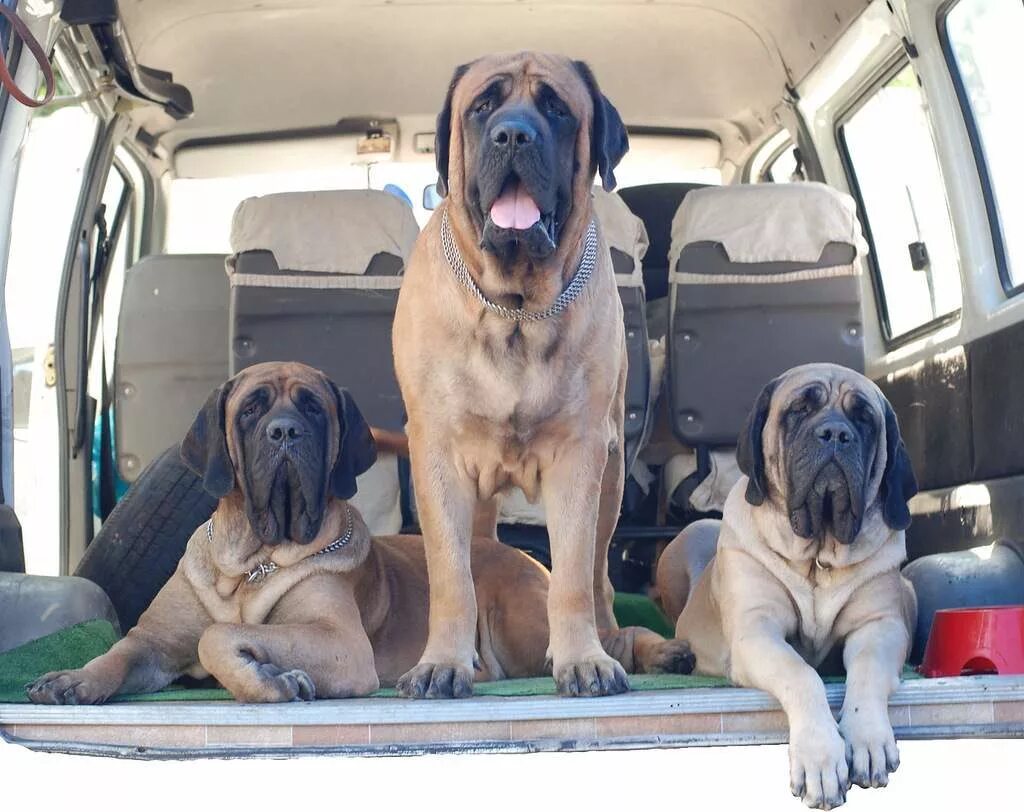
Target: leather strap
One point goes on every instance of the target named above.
(21, 30)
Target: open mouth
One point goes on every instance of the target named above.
(515, 217)
(515, 207)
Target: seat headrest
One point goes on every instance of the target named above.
(767, 222)
(655, 204)
(336, 232)
(623, 230)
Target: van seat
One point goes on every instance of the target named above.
(171, 352)
(627, 240)
(764, 278)
(314, 278)
(656, 204)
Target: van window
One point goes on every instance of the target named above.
(50, 178)
(983, 45)
(895, 172)
(783, 167)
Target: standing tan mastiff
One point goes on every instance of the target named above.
(284, 595)
(807, 565)
(510, 352)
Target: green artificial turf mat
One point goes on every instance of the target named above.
(75, 646)
(639, 610)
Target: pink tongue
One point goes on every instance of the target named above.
(515, 209)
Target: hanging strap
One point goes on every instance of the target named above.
(20, 30)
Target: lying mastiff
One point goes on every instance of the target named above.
(510, 352)
(807, 566)
(283, 594)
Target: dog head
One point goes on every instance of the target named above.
(518, 143)
(288, 439)
(822, 444)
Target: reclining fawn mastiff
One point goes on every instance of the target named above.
(283, 594)
(510, 352)
(807, 566)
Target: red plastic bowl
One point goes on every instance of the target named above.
(987, 640)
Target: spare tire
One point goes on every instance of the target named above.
(139, 545)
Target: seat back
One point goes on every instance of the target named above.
(655, 204)
(171, 352)
(765, 277)
(315, 278)
(627, 240)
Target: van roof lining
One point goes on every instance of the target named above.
(300, 64)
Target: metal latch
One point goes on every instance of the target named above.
(50, 367)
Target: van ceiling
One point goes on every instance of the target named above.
(258, 66)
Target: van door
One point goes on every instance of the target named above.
(918, 133)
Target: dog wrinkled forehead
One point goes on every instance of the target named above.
(281, 378)
(523, 72)
(833, 381)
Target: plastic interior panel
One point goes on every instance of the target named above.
(171, 352)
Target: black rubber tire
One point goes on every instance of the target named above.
(139, 545)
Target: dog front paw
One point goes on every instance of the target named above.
(818, 772)
(274, 684)
(68, 688)
(870, 748)
(599, 675)
(436, 681)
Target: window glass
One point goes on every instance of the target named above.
(985, 43)
(201, 208)
(896, 173)
(50, 177)
(783, 168)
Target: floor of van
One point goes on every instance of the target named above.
(987, 706)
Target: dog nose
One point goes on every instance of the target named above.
(283, 429)
(834, 431)
(515, 132)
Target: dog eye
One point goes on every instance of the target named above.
(250, 410)
(311, 407)
(862, 413)
(555, 107)
(484, 106)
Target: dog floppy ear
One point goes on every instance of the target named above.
(205, 448)
(443, 132)
(608, 139)
(356, 449)
(750, 450)
(898, 481)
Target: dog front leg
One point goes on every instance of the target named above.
(570, 487)
(873, 655)
(761, 658)
(445, 500)
(290, 661)
(152, 655)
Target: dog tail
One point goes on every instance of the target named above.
(390, 442)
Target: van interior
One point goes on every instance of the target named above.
(155, 215)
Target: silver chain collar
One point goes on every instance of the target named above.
(265, 568)
(586, 267)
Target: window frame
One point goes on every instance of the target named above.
(889, 71)
(995, 225)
